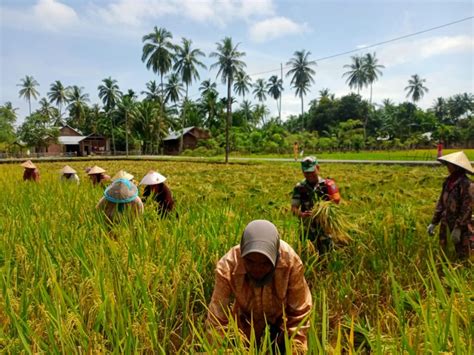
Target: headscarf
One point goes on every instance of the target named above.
(261, 236)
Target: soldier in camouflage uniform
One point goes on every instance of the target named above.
(453, 210)
(305, 194)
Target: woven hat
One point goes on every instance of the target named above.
(122, 174)
(121, 191)
(309, 164)
(28, 165)
(459, 159)
(68, 170)
(152, 178)
(96, 170)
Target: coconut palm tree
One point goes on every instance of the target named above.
(58, 94)
(356, 76)
(242, 83)
(158, 53)
(186, 66)
(28, 89)
(228, 64)
(260, 90)
(372, 70)
(174, 89)
(275, 88)
(47, 111)
(207, 86)
(77, 100)
(126, 109)
(110, 94)
(153, 91)
(416, 89)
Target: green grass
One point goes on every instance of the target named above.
(71, 285)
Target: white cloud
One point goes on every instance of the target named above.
(275, 27)
(49, 15)
(421, 49)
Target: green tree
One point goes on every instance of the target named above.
(28, 89)
(416, 89)
(58, 94)
(153, 91)
(372, 70)
(356, 75)
(127, 110)
(158, 53)
(50, 113)
(173, 89)
(242, 83)
(77, 103)
(186, 65)
(110, 94)
(8, 117)
(36, 133)
(228, 64)
(275, 88)
(302, 75)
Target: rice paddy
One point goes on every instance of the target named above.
(70, 284)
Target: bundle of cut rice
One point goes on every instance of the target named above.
(328, 216)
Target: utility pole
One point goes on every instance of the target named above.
(281, 77)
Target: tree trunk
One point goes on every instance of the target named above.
(113, 135)
(183, 121)
(162, 110)
(302, 114)
(229, 109)
(126, 134)
(29, 105)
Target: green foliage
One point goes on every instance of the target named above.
(7, 120)
(36, 132)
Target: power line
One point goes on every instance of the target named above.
(374, 45)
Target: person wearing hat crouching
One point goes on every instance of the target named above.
(68, 174)
(313, 188)
(453, 211)
(155, 187)
(119, 197)
(265, 279)
(31, 172)
(97, 175)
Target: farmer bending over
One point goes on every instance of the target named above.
(155, 187)
(121, 196)
(312, 189)
(68, 174)
(31, 172)
(265, 278)
(97, 175)
(453, 210)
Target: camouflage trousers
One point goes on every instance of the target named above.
(464, 248)
(316, 235)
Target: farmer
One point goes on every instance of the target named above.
(265, 278)
(119, 197)
(97, 175)
(295, 150)
(312, 189)
(155, 187)
(122, 174)
(31, 172)
(453, 210)
(69, 174)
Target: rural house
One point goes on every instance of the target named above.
(191, 136)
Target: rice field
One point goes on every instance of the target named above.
(69, 284)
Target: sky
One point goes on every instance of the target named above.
(82, 42)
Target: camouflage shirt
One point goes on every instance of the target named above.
(305, 194)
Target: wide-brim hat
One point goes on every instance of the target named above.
(152, 178)
(309, 164)
(96, 170)
(121, 191)
(28, 165)
(68, 170)
(459, 159)
(122, 174)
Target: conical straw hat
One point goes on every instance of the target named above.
(28, 165)
(122, 174)
(96, 170)
(459, 159)
(68, 170)
(121, 191)
(152, 178)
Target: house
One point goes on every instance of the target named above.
(72, 142)
(191, 136)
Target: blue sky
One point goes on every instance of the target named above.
(82, 42)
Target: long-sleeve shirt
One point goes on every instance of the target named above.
(454, 203)
(288, 292)
(161, 195)
(31, 175)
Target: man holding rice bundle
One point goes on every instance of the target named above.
(305, 194)
(454, 211)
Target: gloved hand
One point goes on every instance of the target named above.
(431, 229)
(456, 235)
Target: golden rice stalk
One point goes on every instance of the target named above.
(328, 216)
